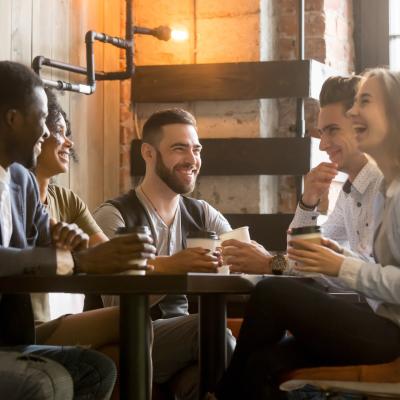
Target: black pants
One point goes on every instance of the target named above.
(325, 331)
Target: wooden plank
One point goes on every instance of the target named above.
(21, 31)
(222, 81)
(49, 41)
(60, 48)
(42, 30)
(266, 229)
(87, 111)
(112, 10)
(5, 29)
(260, 156)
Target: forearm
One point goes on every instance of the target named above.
(97, 238)
(373, 280)
(162, 264)
(35, 260)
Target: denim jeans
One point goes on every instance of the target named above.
(93, 374)
(30, 377)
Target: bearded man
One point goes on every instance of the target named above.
(172, 153)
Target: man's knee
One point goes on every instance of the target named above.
(92, 373)
(101, 374)
(175, 345)
(31, 377)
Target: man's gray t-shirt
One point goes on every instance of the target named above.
(168, 240)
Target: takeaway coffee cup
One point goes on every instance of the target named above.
(139, 265)
(241, 234)
(311, 234)
(205, 239)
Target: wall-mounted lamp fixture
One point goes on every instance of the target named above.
(161, 33)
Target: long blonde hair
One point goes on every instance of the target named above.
(389, 82)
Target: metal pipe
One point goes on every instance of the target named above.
(39, 61)
(90, 65)
(67, 86)
(162, 33)
(300, 119)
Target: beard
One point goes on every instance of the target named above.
(171, 179)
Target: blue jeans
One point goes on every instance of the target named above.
(93, 374)
(31, 377)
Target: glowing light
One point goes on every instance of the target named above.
(179, 35)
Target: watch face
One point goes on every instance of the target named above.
(279, 264)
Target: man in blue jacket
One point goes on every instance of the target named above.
(28, 245)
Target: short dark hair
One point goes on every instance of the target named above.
(339, 89)
(17, 83)
(152, 128)
(55, 110)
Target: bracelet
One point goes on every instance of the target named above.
(307, 207)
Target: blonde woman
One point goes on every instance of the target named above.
(326, 330)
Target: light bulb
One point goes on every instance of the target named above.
(179, 35)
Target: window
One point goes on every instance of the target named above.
(394, 34)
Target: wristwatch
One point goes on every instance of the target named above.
(279, 264)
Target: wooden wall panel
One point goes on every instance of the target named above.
(21, 36)
(87, 111)
(5, 29)
(112, 12)
(60, 41)
(56, 29)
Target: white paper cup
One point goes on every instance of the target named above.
(224, 270)
(139, 265)
(204, 243)
(241, 234)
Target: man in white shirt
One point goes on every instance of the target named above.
(29, 246)
(350, 223)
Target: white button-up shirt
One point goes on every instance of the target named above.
(351, 221)
(5, 207)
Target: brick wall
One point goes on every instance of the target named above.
(229, 31)
(328, 39)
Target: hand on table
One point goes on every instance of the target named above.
(314, 258)
(68, 236)
(114, 256)
(317, 182)
(249, 258)
(195, 259)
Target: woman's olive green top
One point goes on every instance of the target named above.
(66, 206)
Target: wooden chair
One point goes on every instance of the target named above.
(373, 381)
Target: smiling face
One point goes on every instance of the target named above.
(29, 130)
(177, 157)
(56, 150)
(368, 117)
(337, 137)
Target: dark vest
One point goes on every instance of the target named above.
(192, 220)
